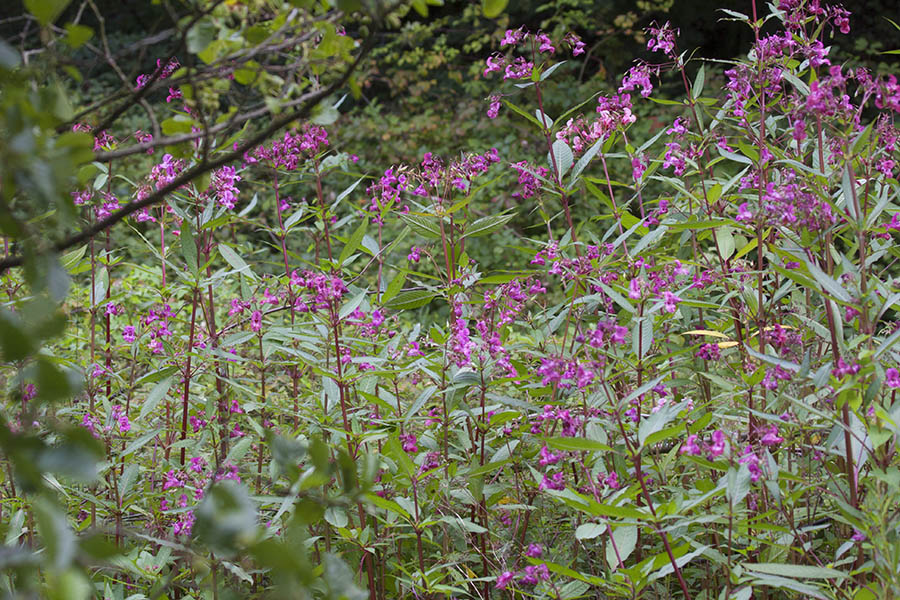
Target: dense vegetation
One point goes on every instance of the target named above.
(359, 300)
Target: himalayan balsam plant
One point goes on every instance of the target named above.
(306, 388)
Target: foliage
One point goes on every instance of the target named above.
(297, 379)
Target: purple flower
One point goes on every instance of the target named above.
(534, 550)
(414, 255)
(892, 378)
(709, 352)
(128, 334)
(771, 438)
(750, 459)
(670, 301)
(409, 442)
(717, 447)
(690, 446)
(494, 108)
(513, 37)
(504, 579)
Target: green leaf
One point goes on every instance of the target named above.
(225, 516)
(78, 35)
(828, 284)
(589, 531)
(549, 71)
(426, 226)
(523, 113)
(46, 11)
(394, 287)
(657, 421)
(9, 57)
(189, 249)
(15, 342)
(201, 35)
(352, 304)
(486, 225)
(576, 444)
(387, 505)
(493, 8)
(737, 484)
(140, 442)
(625, 537)
(584, 160)
(697, 88)
(354, 241)
(410, 300)
(236, 262)
(563, 157)
(59, 540)
(420, 401)
(792, 571)
(158, 392)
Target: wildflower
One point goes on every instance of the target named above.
(513, 37)
(535, 573)
(717, 447)
(575, 43)
(690, 446)
(744, 213)
(414, 255)
(518, 69)
(892, 378)
(546, 43)
(771, 438)
(548, 457)
(409, 442)
(557, 481)
(534, 550)
(670, 301)
(128, 334)
(750, 459)
(612, 480)
(224, 181)
(172, 480)
(493, 64)
(661, 39)
(709, 352)
(494, 108)
(256, 320)
(504, 579)
(184, 525)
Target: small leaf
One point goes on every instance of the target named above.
(158, 392)
(589, 531)
(576, 444)
(425, 226)
(563, 157)
(625, 537)
(411, 299)
(394, 287)
(697, 88)
(354, 241)
(795, 571)
(46, 11)
(236, 262)
(493, 8)
(486, 225)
